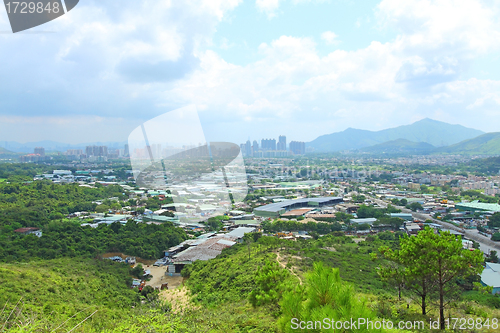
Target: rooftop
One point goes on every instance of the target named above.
(26, 229)
(368, 220)
(288, 204)
(208, 249)
(240, 232)
(479, 206)
(297, 212)
(491, 275)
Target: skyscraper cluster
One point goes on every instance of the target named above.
(37, 156)
(96, 151)
(271, 148)
(298, 147)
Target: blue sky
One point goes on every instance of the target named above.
(354, 24)
(254, 69)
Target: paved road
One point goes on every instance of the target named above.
(485, 243)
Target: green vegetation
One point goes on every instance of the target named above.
(215, 223)
(370, 211)
(358, 198)
(256, 286)
(69, 239)
(477, 195)
(486, 144)
(433, 263)
(91, 296)
(44, 205)
(37, 203)
(55, 290)
(235, 292)
(489, 165)
(494, 221)
(399, 147)
(394, 222)
(291, 225)
(324, 295)
(21, 171)
(270, 284)
(415, 206)
(306, 287)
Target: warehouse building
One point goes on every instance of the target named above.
(476, 206)
(491, 277)
(274, 210)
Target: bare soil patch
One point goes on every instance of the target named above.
(179, 298)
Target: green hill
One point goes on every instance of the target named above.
(5, 151)
(399, 146)
(486, 144)
(434, 132)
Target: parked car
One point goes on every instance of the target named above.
(160, 262)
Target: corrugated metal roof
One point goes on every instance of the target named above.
(368, 220)
(208, 249)
(479, 205)
(226, 242)
(240, 232)
(276, 207)
(491, 278)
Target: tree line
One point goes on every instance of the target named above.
(69, 239)
(430, 266)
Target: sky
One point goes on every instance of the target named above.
(253, 69)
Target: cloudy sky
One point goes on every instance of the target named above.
(253, 68)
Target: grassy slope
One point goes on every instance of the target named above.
(227, 280)
(399, 146)
(52, 291)
(57, 289)
(486, 144)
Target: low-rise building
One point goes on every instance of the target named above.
(491, 277)
(30, 231)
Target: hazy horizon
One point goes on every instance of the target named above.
(3, 142)
(254, 69)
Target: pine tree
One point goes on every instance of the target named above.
(324, 295)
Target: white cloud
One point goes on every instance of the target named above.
(268, 6)
(416, 75)
(135, 63)
(330, 37)
(470, 25)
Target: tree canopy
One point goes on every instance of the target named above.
(432, 264)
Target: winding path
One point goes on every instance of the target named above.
(278, 258)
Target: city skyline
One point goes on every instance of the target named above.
(258, 67)
(118, 144)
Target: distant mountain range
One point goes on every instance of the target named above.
(4, 151)
(433, 132)
(486, 144)
(399, 146)
(426, 136)
(54, 146)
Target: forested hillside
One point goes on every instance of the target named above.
(69, 239)
(45, 205)
(257, 286)
(35, 204)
